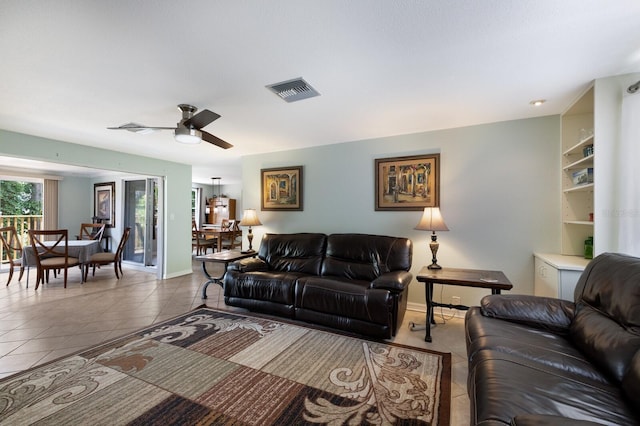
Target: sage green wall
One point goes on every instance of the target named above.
(177, 200)
(75, 200)
(499, 197)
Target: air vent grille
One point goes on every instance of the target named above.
(293, 90)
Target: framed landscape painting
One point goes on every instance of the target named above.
(104, 206)
(407, 183)
(281, 188)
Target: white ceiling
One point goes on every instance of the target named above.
(71, 68)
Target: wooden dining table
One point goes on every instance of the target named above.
(219, 233)
(80, 249)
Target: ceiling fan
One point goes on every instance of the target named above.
(188, 130)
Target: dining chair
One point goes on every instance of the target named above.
(228, 237)
(91, 231)
(51, 251)
(105, 258)
(12, 248)
(235, 226)
(200, 242)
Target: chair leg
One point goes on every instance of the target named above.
(115, 268)
(38, 272)
(10, 275)
(21, 273)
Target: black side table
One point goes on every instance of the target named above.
(225, 257)
(495, 280)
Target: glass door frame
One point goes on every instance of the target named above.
(159, 226)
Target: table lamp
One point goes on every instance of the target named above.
(250, 218)
(432, 221)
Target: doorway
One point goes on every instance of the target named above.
(141, 215)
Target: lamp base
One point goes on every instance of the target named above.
(433, 245)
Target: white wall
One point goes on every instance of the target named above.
(499, 197)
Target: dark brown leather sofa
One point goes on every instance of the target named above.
(543, 361)
(353, 282)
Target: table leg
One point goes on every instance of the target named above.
(210, 279)
(428, 290)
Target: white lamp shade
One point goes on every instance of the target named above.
(188, 136)
(431, 220)
(250, 218)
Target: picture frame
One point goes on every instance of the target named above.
(407, 183)
(104, 206)
(281, 188)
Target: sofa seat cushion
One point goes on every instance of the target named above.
(533, 346)
(276, 287)
(344, 297)
(502, 387)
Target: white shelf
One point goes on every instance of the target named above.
(578, 147)
(587, 187)
(581, 163)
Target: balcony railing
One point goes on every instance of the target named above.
(22, 223)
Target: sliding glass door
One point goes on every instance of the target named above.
(141, 215)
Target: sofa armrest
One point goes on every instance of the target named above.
(395, 281)
(539, 312)
(251, 264)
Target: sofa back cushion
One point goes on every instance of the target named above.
(366, 257)
(301, 252)
(606, 326)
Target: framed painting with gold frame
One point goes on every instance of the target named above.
(281, 188)
(407, 183)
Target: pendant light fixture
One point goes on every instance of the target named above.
(218, 205)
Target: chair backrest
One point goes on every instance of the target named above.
(228, 238)
(11, 244)
(123, 241)
(49, 243)
(91, 231)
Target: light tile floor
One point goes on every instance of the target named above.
(39, 326)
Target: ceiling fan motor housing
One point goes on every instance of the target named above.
(187, 111)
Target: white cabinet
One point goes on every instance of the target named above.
(557, 275)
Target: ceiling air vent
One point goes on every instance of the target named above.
(293, 90)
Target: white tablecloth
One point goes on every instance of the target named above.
(81, 249)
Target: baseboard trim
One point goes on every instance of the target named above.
(179, 274)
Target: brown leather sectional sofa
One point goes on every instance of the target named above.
(543, 361)
(353, 282)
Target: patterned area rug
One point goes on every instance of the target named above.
(212, 367)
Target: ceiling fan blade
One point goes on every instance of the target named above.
(201, 119)
(208, 137)
(134, 127)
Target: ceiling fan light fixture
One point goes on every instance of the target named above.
(188, 136)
